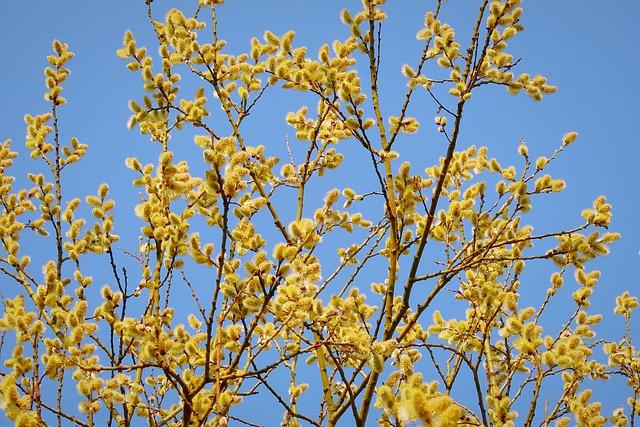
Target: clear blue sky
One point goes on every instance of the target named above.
(586, 47)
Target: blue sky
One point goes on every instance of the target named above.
(586, 47)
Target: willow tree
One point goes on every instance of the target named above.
(243, 241)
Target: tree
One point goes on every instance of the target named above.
(262, 305)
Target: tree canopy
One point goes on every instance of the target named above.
(401, 300)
